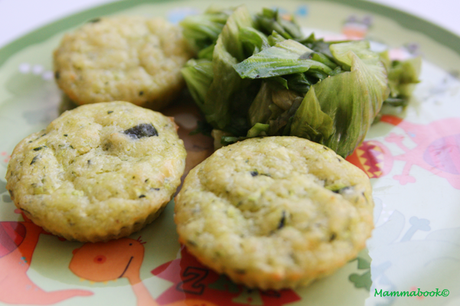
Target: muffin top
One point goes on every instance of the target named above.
(275, 212)
(126, 58)
(97, 170)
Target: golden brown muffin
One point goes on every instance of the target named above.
(98, 172)
(275, 212)
(122, 58)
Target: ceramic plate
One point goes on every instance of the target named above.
(412, 157)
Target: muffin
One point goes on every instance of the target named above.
(274, 212)
(122, 58)
(98, 172)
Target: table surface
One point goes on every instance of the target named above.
(18, 17)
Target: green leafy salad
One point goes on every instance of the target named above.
(258, 75)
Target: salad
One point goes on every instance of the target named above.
(258, 75)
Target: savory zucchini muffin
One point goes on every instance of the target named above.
(275, 212)
(122, 58)
(98, 172)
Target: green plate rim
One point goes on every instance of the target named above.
(406, 20)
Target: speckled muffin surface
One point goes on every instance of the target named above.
(122, 58)
(275, 212)
(98, 172)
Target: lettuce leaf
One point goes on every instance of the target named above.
(352, 99)
(260, 77)
(202, 31)
(226, 94)
(286, 57)
(269, 21)
(310, 121)
(403, 77)
(198, 75)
